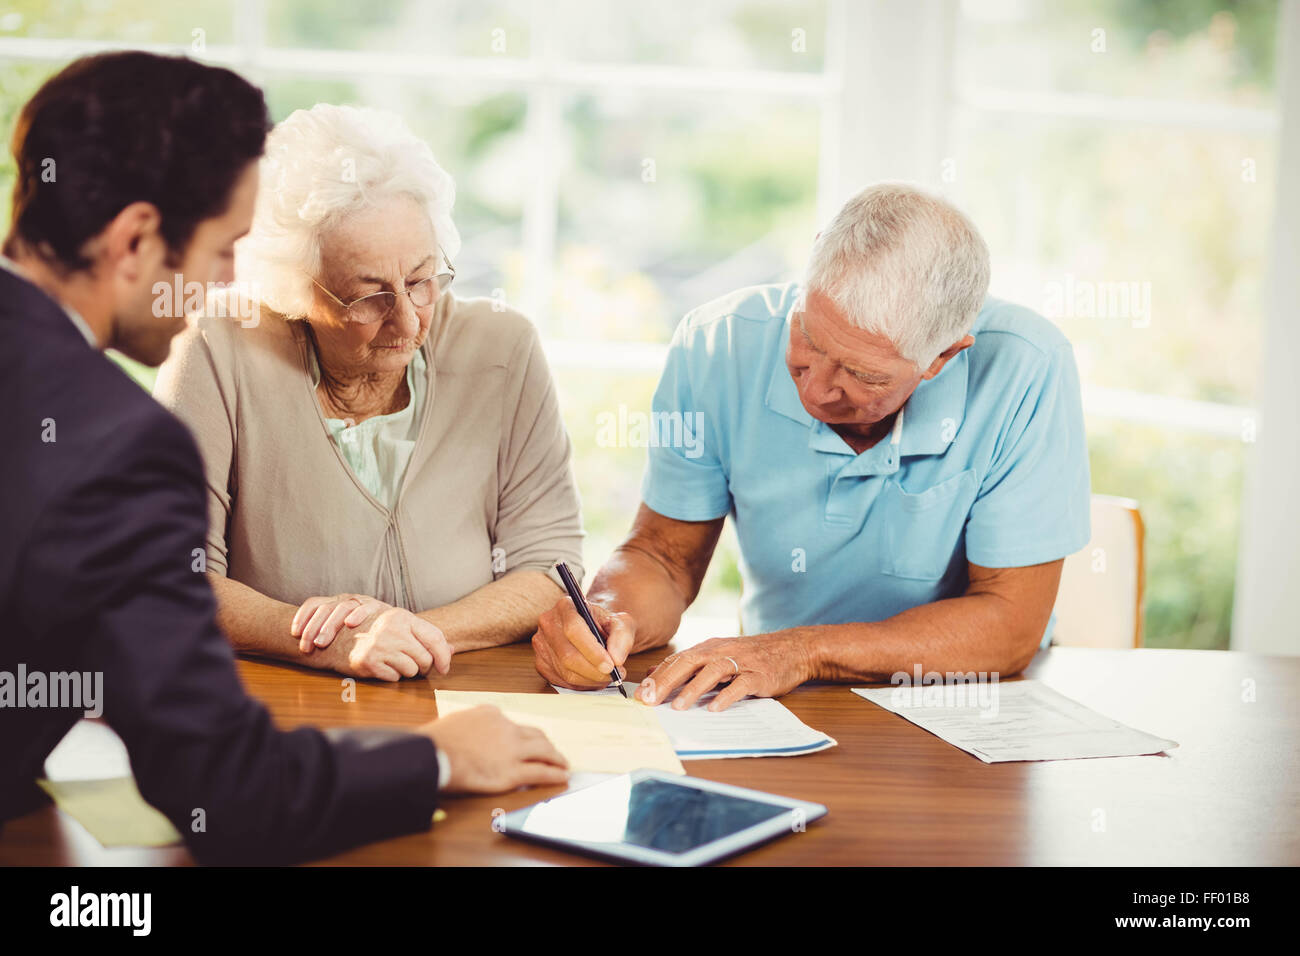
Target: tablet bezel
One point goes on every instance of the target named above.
(512, 825)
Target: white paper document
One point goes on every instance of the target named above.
(1014, 720)
(753, 727)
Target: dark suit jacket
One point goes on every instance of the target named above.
(98, 531)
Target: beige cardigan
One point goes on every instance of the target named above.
(489, 488)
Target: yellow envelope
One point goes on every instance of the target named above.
(595, 734)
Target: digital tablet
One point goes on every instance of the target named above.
(660, 819)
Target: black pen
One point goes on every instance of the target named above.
(575, 592)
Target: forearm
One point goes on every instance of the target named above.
(636, 581)
(979, 632)
(502, 612)
(255, 623)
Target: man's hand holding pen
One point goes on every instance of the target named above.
(568, 654)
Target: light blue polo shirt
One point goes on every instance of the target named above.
(987, 463)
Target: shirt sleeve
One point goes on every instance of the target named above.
(1033, 505)
(191, 387)
(110, 568)
(539, 516)
(444, 770)
(684, 479)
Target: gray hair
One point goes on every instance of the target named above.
(321, 164)
(905, 264)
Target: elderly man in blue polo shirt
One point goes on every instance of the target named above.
(903, 458)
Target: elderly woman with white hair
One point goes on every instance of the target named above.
(389, 479)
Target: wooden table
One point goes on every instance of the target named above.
(897, 795)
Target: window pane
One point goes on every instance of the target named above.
(720, 34)
(432, 27)
(669, 202)
(1212, 52)
(124, 22)
(1189, 488)
(1148, 246)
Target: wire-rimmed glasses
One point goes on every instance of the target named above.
(377, 305)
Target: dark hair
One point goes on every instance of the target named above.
(129, 127)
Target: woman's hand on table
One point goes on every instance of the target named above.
(319, 619)
(361, 636)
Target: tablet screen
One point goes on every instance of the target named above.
(648, 813)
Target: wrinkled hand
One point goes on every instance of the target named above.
(489, 753)
(319, 619)
(765, 665)
(567, 654)
(385, 642)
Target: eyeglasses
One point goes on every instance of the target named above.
(377, 305)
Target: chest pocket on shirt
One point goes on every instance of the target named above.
(922, 529)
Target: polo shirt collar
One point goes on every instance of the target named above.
(936, 409)
(932, 416)
(782, 396)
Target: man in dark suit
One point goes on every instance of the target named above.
(134, 169)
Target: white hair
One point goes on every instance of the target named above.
(320, 165)
(905, 264)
